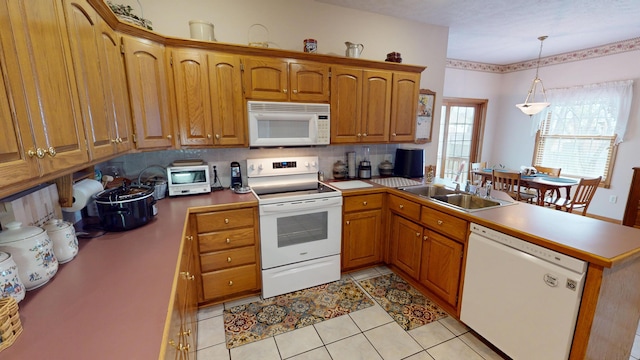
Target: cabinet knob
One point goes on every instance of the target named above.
(364, 203)
(188, 332)
(401, 206)
(114, 141)
(348, 222)
(226, 221)
(359, 135)
(169, 137)
(417, 234)
(424, 238)
(39, 153)
(208, 136)
(218, 136)
(365, 134)
(228, 241)
(51, 151)
(230, 283)
(393, 134)
(190, 237)
(440, 222)
(295, 91)
(229, 259)
(284, 91)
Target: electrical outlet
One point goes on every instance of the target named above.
(613, 199)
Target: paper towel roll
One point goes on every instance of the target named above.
(82, 192)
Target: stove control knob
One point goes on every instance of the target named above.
(313, 164)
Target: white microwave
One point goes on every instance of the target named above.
(273, 124)
(188, 179)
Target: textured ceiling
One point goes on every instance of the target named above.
(506, 31)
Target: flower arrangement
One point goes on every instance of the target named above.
(125, 12)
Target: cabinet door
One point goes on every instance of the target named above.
(82, 26)
(376, 106)
(146, 77)
(361, 244)
(441, 265)
(404, 106)
(309, 82)
(265, 79)
(38, 40)
(406, 245)
(15, 165)
(225, 76)
(346, 105)
(114, 81)
(192, 96)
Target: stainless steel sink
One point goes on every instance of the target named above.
(457, 200)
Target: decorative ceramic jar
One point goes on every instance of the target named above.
(10, 284)
(63, 236)
(32, 250)
(339, 170)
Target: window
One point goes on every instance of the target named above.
(461, 127)
(580, 130)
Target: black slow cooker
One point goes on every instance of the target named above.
(126, 207)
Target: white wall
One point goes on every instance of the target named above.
(291, 21)
(508, 139)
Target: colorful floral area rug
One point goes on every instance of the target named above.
(406, 305)
(255, 321)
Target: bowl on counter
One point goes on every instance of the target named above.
(32, 250)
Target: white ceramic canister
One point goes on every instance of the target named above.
(10, 284)
(63, 236)
(32, 250)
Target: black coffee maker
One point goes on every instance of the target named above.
(236, 175)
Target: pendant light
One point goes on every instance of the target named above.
(532, 108)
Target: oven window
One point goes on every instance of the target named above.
(300, 229)
(188, 177)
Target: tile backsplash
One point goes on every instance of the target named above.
(133, 164)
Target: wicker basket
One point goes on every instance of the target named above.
(10, 326)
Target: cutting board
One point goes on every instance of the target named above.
(352, 184)
(31, 207)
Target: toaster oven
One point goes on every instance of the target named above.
(188, 179)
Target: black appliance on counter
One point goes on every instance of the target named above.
(409, 163)
(236, 175)
(126, 207)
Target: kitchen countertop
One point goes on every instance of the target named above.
(111, 301)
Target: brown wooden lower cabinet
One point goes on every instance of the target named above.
(441, 266)
(227, 253)
(362, 231)
(406, 245)
(632, 211)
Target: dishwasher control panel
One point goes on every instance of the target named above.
(552, 256)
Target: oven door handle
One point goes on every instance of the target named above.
(301, 205)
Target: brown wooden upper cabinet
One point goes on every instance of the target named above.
(101, 84)
(41, 124)
(148, 92)
(275, 79)
(208, 98)
(404, 106)
(360, 105)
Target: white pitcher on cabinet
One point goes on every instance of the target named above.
(354, 50)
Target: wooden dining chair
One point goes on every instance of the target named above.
(552, 195)
(581, 200)
(509, 182)
(477, 180)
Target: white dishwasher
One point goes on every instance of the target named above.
(521, 297)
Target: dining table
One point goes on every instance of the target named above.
(542, 183)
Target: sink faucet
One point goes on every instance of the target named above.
(457, 188)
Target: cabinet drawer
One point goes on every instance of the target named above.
(362, 202)
(445, 224)
(226, 259)
(224, 240)
(221, 220)
(404, 207)
(229, 281)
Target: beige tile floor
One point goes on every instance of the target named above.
(365, 334)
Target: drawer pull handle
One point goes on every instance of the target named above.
(401, 206)
(229, 259)
(230, 283)
(228, 241)
(226, 221)
(364, 203)
(440, 222)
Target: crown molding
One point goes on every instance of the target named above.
(595, 52)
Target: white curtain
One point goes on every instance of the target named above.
(615, 97)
